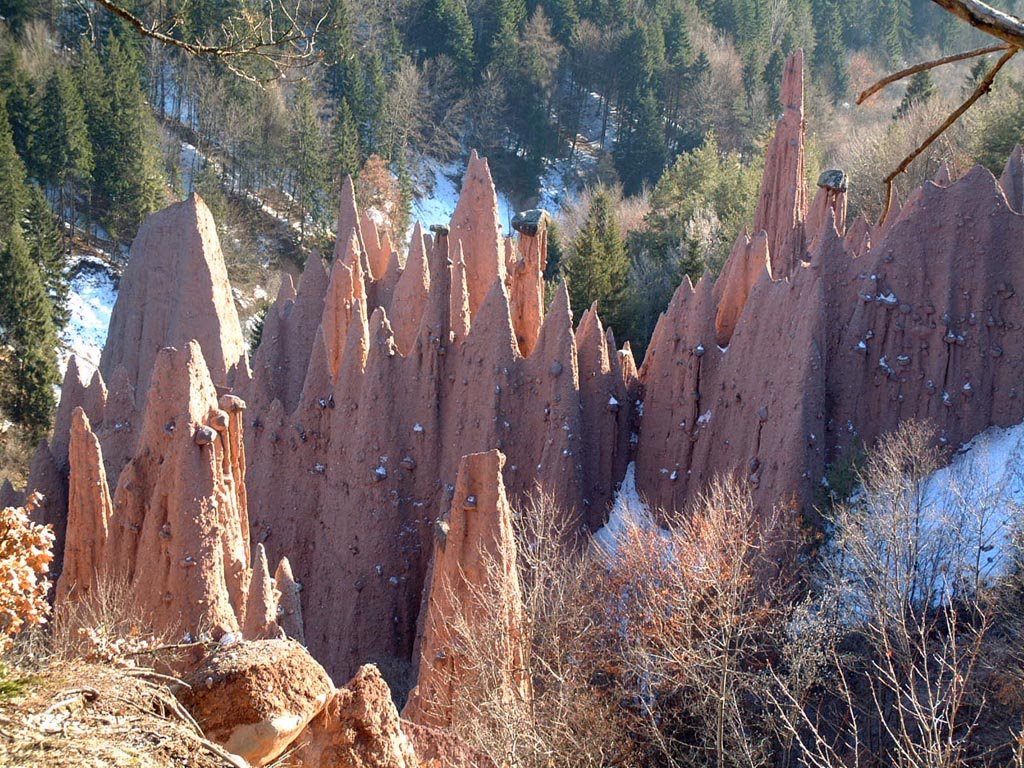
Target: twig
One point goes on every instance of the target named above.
(983, 87)
(149, 673)
(924, 65)
(257, 42)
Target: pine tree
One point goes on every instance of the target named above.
(500, 35)
(894, 15)
(678, 47)
(565, 17)
(123, 138)
(345, 136)
(375, 88)
(43, 238)
(22, 104)
(62, 143)
(530, 87)
(553, 269)
(830, 51)
(13, 191)
(640, 153)
(93, 90)
(598, 265)
(337, 42)
(920, 90)
(308, 159)
(28, 336)
(446, 29)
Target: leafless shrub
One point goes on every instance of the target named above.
(693, 614)
(570, 719)
(106, 625)
(903, 623)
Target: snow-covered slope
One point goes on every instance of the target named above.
(981, 495)
(91, 296)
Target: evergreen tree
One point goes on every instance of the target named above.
(345, 135)
(530, 87)
(22, 104)
(565, 17)
(920, 90)
(502, 32)
(43, 238)
(375, 89)
(773, 72)
(640, 153)
(308, 159)
(830, 51)
(598, 265)
(64, 154)
(13, 190)
(678, 47)
(445, 29)
(556, 249)
(337, 41)
(894, 15)
(27, 337)
(123, 137)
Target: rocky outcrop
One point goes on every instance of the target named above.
(89, 513)
(851, 333)
(782, 204)
(398, 384)
(377, 375)
(474, 601)
(289, 604)
(173, 290)
(358, 728)
(179, 531)
(177, 528)
(255, 698)
(476, 227)
(526, 285)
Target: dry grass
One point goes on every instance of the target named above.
(96, 688)
(74, 714)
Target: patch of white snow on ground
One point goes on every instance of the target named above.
(981, 493)
(91, 295)
(958, 531)
(435, 195)
(628, 511)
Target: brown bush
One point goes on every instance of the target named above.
(26, 550)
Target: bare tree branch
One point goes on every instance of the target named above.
(246, 38)
(924, 65)
(979, 15)
(983, 87)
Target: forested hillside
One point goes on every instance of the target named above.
(640, 123)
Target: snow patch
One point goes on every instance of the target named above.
(435, 195)
(628, 511)
(91, 296)
(982, 493)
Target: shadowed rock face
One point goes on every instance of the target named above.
(373, 382)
